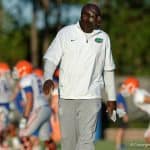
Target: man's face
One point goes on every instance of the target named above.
(90, 20)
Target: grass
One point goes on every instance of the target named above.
(105, 145)
(101, 145)
(130, 145)
(110, 145)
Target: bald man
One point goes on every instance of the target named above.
(86, 63)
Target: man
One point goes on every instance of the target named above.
(83, 52)
(141, 98)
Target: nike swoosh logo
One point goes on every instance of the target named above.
(72, 40)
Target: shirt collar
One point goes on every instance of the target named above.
(94, 32)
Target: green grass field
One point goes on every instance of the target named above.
(105, 145)
(102, 145)
(130, 145)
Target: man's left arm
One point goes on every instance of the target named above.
(109, 80)
(109, 77)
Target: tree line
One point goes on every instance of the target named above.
(126, 22)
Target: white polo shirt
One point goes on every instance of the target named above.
(82, 61)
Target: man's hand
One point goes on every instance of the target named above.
(111, 106)
(48, 86)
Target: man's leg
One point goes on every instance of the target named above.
(36, 119)
(67, 115)
(87, 118)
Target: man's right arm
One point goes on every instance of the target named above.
(51, 59)
(49, 68)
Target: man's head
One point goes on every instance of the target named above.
(90, 18)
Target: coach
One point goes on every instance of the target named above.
(84, 54)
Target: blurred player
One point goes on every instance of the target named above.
(39, 73)
(141, 98)
(121, 122)
(56, 135)
(5, 94)
(53, 118)
(36, 111)
(7, 126)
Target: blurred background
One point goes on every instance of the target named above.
(27, 27)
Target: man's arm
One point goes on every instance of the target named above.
(109, 80)
(52, 58)
(49, 69)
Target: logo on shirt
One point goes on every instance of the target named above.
(72, 40)
(98, 40)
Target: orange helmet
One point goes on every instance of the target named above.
(22, 68)
(38, 72)
(4, 68)
(132, 81)
(129, 85)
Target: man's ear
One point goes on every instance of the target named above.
(99, 19)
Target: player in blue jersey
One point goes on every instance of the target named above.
(123, 121)
(32, 103)
(5, 94)
(141, 99)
